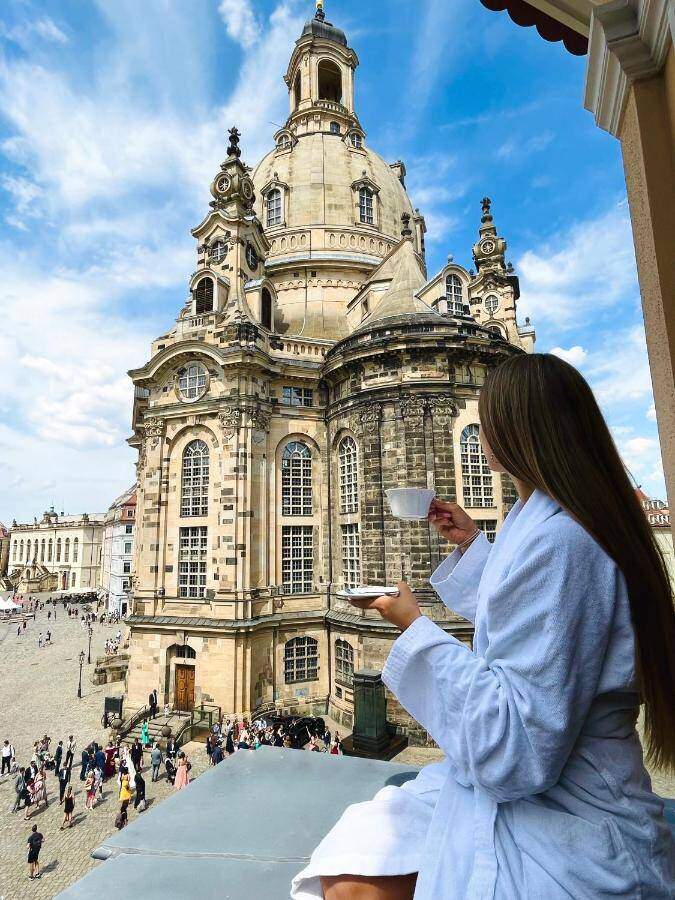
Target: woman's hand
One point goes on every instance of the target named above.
(401, 610)
(451, 522)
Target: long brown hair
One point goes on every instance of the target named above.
(544, 426)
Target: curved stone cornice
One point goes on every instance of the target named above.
(175, 354)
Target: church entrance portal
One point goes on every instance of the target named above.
(185, 688)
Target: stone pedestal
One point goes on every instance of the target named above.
(370, 713)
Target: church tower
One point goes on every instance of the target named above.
(312, 366)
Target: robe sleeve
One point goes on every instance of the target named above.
(457, 578)
(508, 721)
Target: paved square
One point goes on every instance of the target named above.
(38, 695)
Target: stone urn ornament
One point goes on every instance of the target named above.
(166, 731)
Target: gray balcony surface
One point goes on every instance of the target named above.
(253, 820)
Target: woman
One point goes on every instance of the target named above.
(68, 807)
(542, 792)
(124, 795)
(145, 734)
(90, 789)
(182, 778)
(229, 743)
(110, 754)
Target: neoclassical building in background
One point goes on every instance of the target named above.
(314, 365)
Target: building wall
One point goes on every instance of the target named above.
(81, 573)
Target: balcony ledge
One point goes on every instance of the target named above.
(190, 844)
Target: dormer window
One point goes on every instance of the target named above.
(284, 142)
(218, 251)
(335, 128)
(366, 206)
(356, 140)
(274, 208)
(453, 295)
(204, 296)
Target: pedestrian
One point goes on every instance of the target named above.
(7, 753)
(171, 748)
(20, 789)
(136, 754)
(139, 799)
(90, 788)
(152, 703)
(229, 743)
(326, 739)
(182, 772)
(99, 759)
(145, 735)
(217, 755)
(68, 807)
(156, 761)
(40, 641)
(124, 797)
(58, 755)
(84, 764)
(70, 751)
(35, 840)
(64, 778)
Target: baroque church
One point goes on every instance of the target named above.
(314, 365)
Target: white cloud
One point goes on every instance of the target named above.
(25, 32)
(518, 149)
(570, 278)
(574, 355)
(50, 31)
(240, 21)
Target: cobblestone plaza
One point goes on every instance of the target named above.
(38, 695)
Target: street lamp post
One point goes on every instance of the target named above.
(79, 686)
(91, 631)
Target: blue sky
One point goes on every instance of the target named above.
(112, 122)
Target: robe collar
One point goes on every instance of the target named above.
(524, 517)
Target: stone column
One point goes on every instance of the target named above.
(630, 88)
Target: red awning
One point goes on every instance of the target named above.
(551, 30)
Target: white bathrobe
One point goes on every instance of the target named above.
(543, 793)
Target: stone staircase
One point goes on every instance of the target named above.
(176, 720)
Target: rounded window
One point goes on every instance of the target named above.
(491, 304)
(218, 251)
(356, 140)
(335, 128)
(192, 381)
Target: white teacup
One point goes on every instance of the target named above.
(410, 503)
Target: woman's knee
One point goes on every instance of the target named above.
(359, 887)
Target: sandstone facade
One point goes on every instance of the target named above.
(313, 366)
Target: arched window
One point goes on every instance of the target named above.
(204, 296)
(349, 486)
(335, 128)
(356, 140)
(43, 549)
(330, 81)
(66, 552)
(453, 295)
(266, 309)
(21, 551)
(284, 142)
(72, 579)
(14, 549)
(301, 660)
(28, 558)
(476, 474)
(366, 206)
(491, 304)
(274, 216)
(191, 381)
(296, 480)
(195, 484)
(297, 89)
(50, 550)
(344, 662)
(76, 546)
(58, 550)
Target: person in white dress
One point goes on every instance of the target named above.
(542, 793)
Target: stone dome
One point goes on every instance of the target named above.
(319, 172)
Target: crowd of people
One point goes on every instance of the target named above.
(231, 735)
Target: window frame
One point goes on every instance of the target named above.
(351, 554)
(274, 207)
(477, 480)
(192, 391)
(454, 294)
(366, 205)
(344, 663)
(348, 474)
(301, 659)
(195, 476)
(297, 490)
(291, 395)
(192, 561)
(297, 573)
(209, 292)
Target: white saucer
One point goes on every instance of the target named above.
(367, 592)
